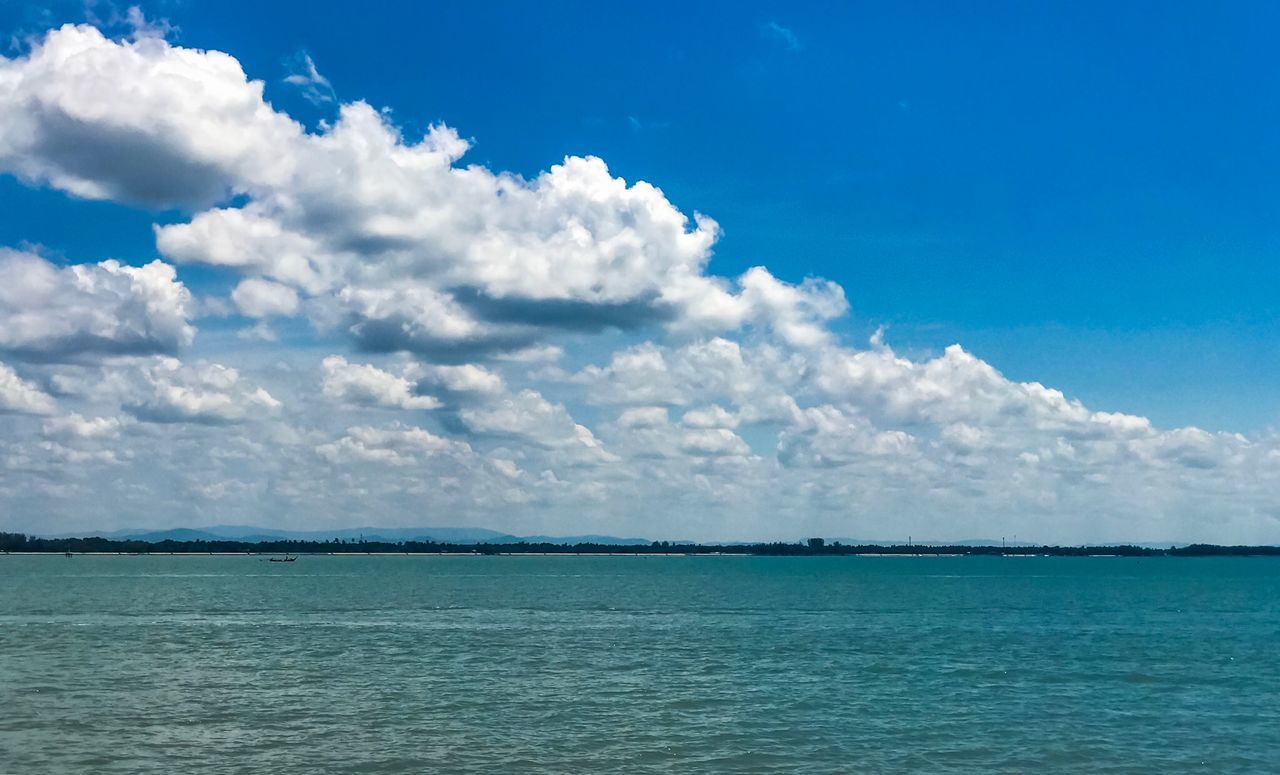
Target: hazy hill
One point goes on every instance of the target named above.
(253, 534)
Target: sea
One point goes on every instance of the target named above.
(621, 664)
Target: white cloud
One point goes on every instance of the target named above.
(394, 445)
(537, 354)
(529, 416)
(239, 240)
(643, 417)
(784, 36)
(526, 414)
(420, 254)
(140, 121)
(260, 298)
(637, 375)
(260, 331)
(714, 416)
(507, 468)
(954, 387)
(714, 442)
(464, 378)
(75, 426)
(755, 380)
(172, 392)
(142, 26)
(314, 86)
(52, 312)
(828, 437)
(19, 395)
(365, 385)
(966, 438)
(796, 313)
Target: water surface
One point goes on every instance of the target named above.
(638, 664)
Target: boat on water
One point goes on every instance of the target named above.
(286, 558)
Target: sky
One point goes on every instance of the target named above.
(689, 271)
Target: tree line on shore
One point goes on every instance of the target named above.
(18, 542)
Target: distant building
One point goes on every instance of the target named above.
(816, 543)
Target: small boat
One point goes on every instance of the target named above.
(286, 558)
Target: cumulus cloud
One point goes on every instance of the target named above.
(75, 426)
(530, 417)
(714, 416)
(139, 121)
(702, 439)
(714, 442)
(365, 385)
(756, 380)
(526, 414)
(19, 395)
(827, 437)
(394, 445)
(209, 393)
(957, 387)
(643, 417)
(796, 313)
(422, 255)
(260, 298)
(49, 312)
(466, 378)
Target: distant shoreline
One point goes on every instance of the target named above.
(18, 544)
(873, 555)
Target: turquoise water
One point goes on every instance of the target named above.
(638, 664)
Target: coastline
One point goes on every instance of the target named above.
(1255, 552)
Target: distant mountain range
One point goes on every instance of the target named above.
(252, 534)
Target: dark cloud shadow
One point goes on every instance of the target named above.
(83, 348)
(566, 314)
(398, 334)
(167, 415)
(131, 166)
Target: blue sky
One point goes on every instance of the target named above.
(1081, 195)
(1084, 194)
